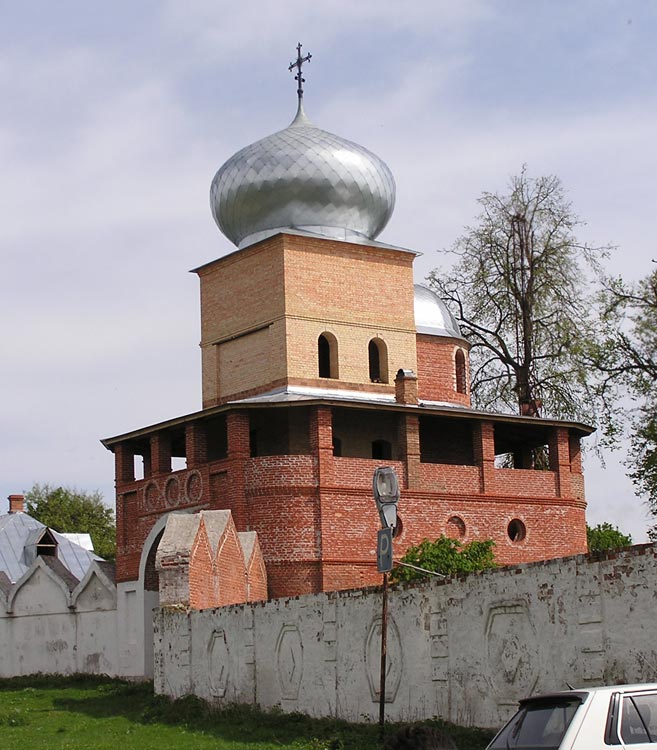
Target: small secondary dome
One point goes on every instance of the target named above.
(302, 178)
(432, 316)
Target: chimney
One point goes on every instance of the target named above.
(16, 503)
(406, 387)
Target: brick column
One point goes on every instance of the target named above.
(321, 442)
(148, 464)
(483, 436)
(406, 387)
(160, 453)
(575, 454)
(409, 446)
(237, 426)
(124, 464)
(196, 448)
(321, 446)
(560, 460)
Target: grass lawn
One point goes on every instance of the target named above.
(82, 713)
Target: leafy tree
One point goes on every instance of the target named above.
(445, 555)
(626, 361)
(605, 536)
(68, 510)
(519, 293)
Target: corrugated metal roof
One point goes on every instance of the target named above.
(62, 571)
(18, 535)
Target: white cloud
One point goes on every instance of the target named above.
(114, 132)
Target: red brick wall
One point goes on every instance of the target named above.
(256, 576)
(203, 583)
(316, 519)
(230, 569)
(436, 369)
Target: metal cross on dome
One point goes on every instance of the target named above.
(297, 64)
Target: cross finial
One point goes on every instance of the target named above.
(297, 64)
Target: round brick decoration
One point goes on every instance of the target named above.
(194, 486)
(151, 496)
(172, 491)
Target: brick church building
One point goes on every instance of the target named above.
(322, 360)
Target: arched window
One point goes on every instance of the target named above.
(327, 356)
(461, 379)
(378, 361)
(381, 450)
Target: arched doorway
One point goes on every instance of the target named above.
(136, 601)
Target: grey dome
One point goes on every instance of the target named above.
(302, 178)
(432, 315)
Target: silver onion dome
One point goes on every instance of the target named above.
(432, 316)
(302, 178)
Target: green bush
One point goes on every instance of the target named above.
(445, 555)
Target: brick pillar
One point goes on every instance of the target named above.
(124, 464)
(559, 448)
(321, 446)
(575, 454)
(409, 445)
(160, 453)
(483, 436)
(148, 464)
(237, 426)
(196, 447)
(321, 442)
(406, 387)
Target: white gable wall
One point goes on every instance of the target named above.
(46, 628)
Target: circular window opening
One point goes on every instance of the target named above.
(516, 530)
(455, 527)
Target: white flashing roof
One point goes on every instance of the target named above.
(306, 393)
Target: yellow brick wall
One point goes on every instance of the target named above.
(263, 309)
(355, 293)
(242, 290)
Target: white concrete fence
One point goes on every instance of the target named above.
(466, 649)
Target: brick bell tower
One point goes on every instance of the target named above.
(321, 360)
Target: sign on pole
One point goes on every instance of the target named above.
(384, 550)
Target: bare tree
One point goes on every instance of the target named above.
(519, 291)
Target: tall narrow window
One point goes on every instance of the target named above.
(327, 356)
(461, 380)
(378, 361)
(324, 357)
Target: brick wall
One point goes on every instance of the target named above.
(264, 308)
(202, 564)
(436, 369)
(314, 513)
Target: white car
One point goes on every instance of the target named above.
(588, 719)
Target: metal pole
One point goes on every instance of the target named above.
(384, 638)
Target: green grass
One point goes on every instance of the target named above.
(84, 713)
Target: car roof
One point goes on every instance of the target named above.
(582, 693)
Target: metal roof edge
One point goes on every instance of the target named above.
(425, 407)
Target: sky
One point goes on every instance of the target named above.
(115, 117)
